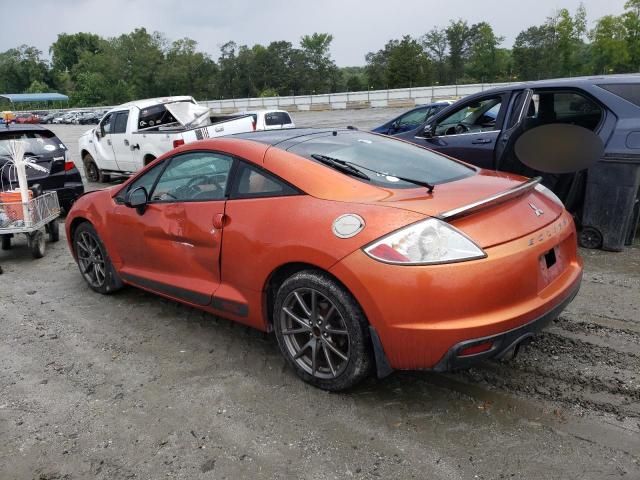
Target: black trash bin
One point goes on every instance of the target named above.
(609, 216)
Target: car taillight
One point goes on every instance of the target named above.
(253, 124)
(177, 143)
(430, 241)
(68, 165)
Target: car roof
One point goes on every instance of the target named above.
(289, 135)
(572, 82)
(22, 127)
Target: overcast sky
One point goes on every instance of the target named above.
(358, 26)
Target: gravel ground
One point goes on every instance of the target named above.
(136, 386)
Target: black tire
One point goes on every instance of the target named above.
(590, 237)
(93, 260)
(93, 173)
(344, 329)
(37, 244)
(6, 242)
(54, 231)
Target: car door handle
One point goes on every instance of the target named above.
(108, 142)
(126, 142)
(481, 141)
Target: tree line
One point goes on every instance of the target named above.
(106, 71)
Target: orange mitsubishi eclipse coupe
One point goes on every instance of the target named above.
(361, 252)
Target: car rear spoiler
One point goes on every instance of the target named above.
(493, 200)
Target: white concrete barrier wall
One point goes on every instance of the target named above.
(399, 97)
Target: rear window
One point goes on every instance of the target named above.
(277, 118)
(388, 156)
(42, 142)
(629, 91)
(154, 116)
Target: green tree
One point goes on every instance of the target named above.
(20, 67)
(609, 45)
(435, 44)
(459, 38)
(485, 61)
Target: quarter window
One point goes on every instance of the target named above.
(253, 182)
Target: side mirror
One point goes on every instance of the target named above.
(137, 199)
(428, 131)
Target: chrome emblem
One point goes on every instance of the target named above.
(536, 210)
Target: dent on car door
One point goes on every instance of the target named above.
(470, 131)
(173, 247)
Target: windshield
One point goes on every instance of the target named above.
(36, 142)
(386, 155)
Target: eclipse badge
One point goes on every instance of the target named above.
(536, 210)
(348, 225)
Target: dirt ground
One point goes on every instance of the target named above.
(135, 386)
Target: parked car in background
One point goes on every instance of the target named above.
(270, 119)
(47, 118)
(355, 270)
(89, 118)
(48, 151)
(134, 134)
(483, 129)
(412, 118)
(27, 118)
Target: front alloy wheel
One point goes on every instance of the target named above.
(93, 260)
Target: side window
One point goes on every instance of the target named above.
(197, 176)
(479, 116)
(120, 122)
(253, 182)
(105, 124)
(277, 118)
(146, 180)
(414, 118)
(563, 107)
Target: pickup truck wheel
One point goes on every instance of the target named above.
(94, 174)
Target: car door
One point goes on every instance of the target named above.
(173, 246)
(120, 142)
(469, 132)
(106, 159)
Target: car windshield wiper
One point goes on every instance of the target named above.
(341, 165)
(352, 168)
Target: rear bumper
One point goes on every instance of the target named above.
(501, 343)
(423, 313)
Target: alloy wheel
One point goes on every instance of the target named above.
(315, 333)
(91, 259)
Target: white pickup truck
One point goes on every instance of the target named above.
(133, 134)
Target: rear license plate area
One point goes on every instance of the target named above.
(550, 258)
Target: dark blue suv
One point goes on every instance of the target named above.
(411, 119)
(482, 129)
